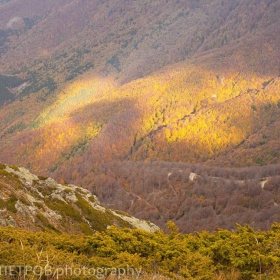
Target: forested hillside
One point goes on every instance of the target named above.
(195, 197)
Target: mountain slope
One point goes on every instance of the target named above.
(194, 197)
(191, 106)
(126, 39)
(120, 81)
(38, 203)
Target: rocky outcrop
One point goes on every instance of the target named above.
(38, 203)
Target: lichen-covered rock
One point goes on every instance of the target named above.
(38, 203)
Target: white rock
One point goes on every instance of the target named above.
(192, 176)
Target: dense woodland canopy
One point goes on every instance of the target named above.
(195, 197)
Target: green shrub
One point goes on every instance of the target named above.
(9, 204)
(2, 166)
(42, 178)
(64, 209)
(85, 228)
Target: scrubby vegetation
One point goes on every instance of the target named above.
(225, 255)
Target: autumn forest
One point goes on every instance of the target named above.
(166, 110)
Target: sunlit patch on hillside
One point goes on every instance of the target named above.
(75, 96)
(184, 113)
